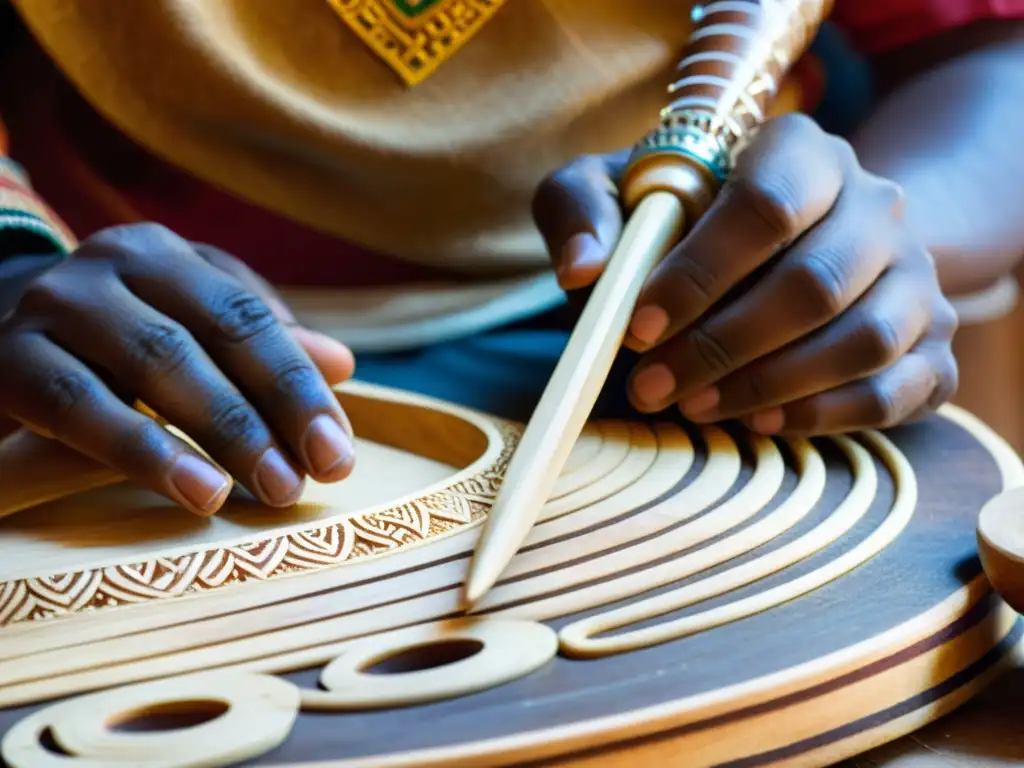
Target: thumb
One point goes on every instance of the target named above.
(578, 213)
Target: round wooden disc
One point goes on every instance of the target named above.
(908, 631)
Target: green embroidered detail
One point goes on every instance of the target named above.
(415, 37)
(413, 8)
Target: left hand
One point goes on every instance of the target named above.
(800, 303)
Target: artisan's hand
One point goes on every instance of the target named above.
(799, 303)
(140, 314)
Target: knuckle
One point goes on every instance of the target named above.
(61, 289)
(689, 279)
(138, 445)
(48, 292)
(561, 178)
(917, 257)
(545, 192)
(241, 315)
(796, 125)
(945, 319)
(232, 422)
(882, 342)
(883, 408)
(62, 395)
(821, 285)
(297, 379)
(161, 349)
(581, 176)
(757, 391)
(128, 236)
(809, 417)
(145, 245)
(948, 379)
(888, 195)
(774, 198)
(844, 150)
(711, 352)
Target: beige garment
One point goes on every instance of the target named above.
(278, 102)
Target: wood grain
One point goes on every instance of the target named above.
(898, 639)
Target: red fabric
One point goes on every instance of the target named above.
(880, 26)
(97, 178)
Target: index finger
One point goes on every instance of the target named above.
(333, 358)
(248, 344)
(783, 184)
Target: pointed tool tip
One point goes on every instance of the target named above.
(476, 587)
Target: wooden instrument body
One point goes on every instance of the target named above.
(641, 512)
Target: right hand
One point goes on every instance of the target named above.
(139, 314)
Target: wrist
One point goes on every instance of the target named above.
(32, 237)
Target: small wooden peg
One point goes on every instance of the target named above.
(1001, 545)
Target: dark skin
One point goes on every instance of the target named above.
(141, 314)
(800, 302)
(807, 301)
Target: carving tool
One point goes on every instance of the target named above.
(731, 70)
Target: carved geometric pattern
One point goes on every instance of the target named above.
(434, 514)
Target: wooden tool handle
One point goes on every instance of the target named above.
(731, 70)
(735, 62)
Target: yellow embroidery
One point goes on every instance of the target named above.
(415, 37)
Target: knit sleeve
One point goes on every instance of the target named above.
(876, 27)
(27, 224)
(32, 237)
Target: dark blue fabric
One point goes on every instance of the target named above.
(849, 90)
(503, 372)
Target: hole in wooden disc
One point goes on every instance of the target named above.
(426, 656)
(47, 742)
(171, 716)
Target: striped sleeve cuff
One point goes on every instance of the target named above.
(27, 224)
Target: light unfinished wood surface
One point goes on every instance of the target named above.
(569, 396)
(678, 537)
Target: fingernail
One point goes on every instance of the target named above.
(654, 384)
(701, 404)
(768, 422)
(582, 250)
(201, 486)
(649, 324)
(328, 448)
(277, 482)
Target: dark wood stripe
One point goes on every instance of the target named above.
(971, 618)
(912, 704)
